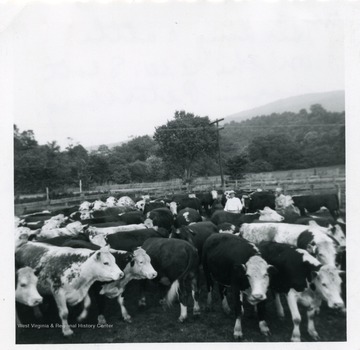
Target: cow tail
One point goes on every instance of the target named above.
(173, 292)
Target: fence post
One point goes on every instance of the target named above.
(338, 190)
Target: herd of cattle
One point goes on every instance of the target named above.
(102, 246)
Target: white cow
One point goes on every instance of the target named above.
(314, 238)
(71, 229)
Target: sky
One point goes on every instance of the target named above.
(103, 73)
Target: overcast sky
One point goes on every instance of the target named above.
(103, 73)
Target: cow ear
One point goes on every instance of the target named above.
(97, 255)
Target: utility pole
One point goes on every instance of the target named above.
(219, 150)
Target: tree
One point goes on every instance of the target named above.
(184, 140)
(236, 165)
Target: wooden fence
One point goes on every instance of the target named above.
(293, 186)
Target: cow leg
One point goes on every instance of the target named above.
(124, 313)
(261, 312)
(209, 285)
(183, 296)
(238, 334)
(224, 301)
(84, 313)
(311, 325)
(295, 314)
(60, 300)
(195, 295)
(279, 307)
(142, 300)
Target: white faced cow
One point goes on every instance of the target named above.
(138, 268)
(68, 273)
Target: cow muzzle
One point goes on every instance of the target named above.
(256, 298)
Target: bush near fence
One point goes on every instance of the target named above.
(294, 182)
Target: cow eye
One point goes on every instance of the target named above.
(141, 262)
(106, 263)
(324, 284)
(22, 285)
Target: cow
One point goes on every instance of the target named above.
(266, 214)
(160, 217)
(69, 230)
(312, 238)
(312, 203)
(304, 280)
(132, 217)
(187, 216)
(196, 234)
(54, 222)
(154, 204)
(126, 202)
(98, 205)
(259, 200)
(191, 202)
(206, 200)
(177, 262)
(137, 267)
(233, 261)
(132, 239)
(85, 206)
(67, 273)
(93, 231)
(26, 292)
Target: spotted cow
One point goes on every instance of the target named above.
(67, 273)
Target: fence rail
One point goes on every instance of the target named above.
(293, 186)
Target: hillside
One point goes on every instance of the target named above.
(333, 101)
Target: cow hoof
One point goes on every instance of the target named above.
(314, 335)
(295, 339)
(238, 337)
(181, 319)
(68, 333)
(196, 313)
(128, 319)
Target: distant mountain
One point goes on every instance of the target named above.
(333, 101)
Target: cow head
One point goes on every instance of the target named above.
(257, 272)
(26, 292)
(214, 194)
(140, 266)
(140, 205)
(268, 214)
(327, 282)
(99, 205)
(337, 234)
(85, 206)
(75, 227)
(85, 215)
(173, 208)
(103, 266)
(111, 202)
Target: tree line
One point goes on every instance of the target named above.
(185, 147)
